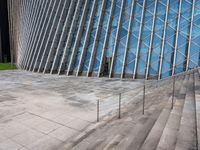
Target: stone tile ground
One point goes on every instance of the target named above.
(39, 112)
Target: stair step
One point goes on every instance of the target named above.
(114, 142)
(115, 138)
(102, 136)
(153, 138)
(168, 138)
(142, 129)
(158, 128)
(142, 126)
(197, 98)
(186, 138)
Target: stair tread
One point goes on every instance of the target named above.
(154, 136)
(142, 131)
(160, 128)
(168, 138)
(102, 136)
(197, 98)
(186, 138)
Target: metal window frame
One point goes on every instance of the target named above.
(46, 34)
(151, 40)
(64, 30)
(35, 19)
(36, 45)
(128, 37)
(190, 35)
(26, 24)
(87, 38)
(35, 34)
(59, 28)
(177, 36)
(163, 41)
(107, 36)
(69, 38)
(139, 39)
(51, 33)
(79, 33)
(99, 26)
(117, 38)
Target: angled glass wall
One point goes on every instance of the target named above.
(151, 39)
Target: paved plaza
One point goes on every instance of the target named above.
(40, 112)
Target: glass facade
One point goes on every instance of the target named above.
(107, 38)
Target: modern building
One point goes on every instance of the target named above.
(114, 38)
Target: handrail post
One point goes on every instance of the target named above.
(144, 90)
(173, 92)
(97, 110)
(157, 84)
(120, 95)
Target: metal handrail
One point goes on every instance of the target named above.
(181, 73)
(144, 91)
(120, 96)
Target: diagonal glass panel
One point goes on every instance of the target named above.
(146, 33)
(170, 39)
(92, 37)
(132, 45)
(123, 31)
(80, 48)
(102, 37)
(157, 41)
(72, 40)
(195, 41)
(182, 51)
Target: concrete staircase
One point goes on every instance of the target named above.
(160, 128)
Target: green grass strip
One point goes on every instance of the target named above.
(7, 66)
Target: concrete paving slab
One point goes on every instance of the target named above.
(32, 122)
(63, 133)
(64, 119)
(9, 145)
(12, 129)
(45, 143)
(28, 137)
(23, 148)
(47, 126)
(78, 124)
(49, 104)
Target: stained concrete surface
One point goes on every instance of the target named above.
(39, 112)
